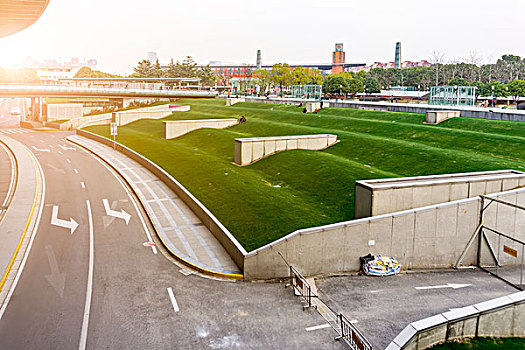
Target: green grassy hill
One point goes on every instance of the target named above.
(299, 189)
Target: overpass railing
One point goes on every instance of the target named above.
(43, 90)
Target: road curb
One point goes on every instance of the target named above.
(175, 255)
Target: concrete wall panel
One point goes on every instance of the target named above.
(440, 193)
(269, 147)
(291, 144)
(477, 188)
(496, 324)
(421, 196)
(458, 191)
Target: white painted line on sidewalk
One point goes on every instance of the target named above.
(83, 184)
(60, 152)
(150, 239)
(314, 328)
(89, 289)
(67, 160)
(76, 171)
(173, 301)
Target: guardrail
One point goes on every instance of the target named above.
(300, 285)
(352, 335)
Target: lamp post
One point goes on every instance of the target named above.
(341, 91)
(418, 87)
(492, 97)
(364, 89)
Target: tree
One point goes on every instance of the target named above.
(158, 72)
(188, 68)
(300, 76)
(438, 58)
(144, 69)
(516, 88)
(335, 84)
(86, 72)
(459, 82)
(316, 77)
(372, 85)
(281, 75)
(262, 78)
(206, 75)
(355, 86)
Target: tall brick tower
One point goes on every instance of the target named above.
(397, 62)
(338, 59)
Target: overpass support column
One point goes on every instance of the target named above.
(36, 109)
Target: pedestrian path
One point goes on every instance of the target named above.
(178, 227)
(11, 131)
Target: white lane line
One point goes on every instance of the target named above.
(28, 249)
(173, 301)
(67, 160)
(76, 171)
(132, 199)
(89, 289)
(60, 152)
(314, 328)
(83, 184)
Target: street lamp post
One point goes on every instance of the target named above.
(418, 87)
(364, 97)
(492, 97)
(341, 91)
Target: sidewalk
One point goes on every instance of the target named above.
(183, 234)
(21, 218)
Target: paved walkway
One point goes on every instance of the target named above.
(19, 222)
(182, 232)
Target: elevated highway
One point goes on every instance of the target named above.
(24, 90)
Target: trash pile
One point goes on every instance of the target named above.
(379, 265)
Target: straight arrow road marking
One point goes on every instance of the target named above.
(173, 300)
(56, 279)
(448, 285)
(67, 148)
(71, 224)
(40, 149)
(117, 214)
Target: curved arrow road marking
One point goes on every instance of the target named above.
(117, 214)
(66, 148)
(448, 285)
(71, 224)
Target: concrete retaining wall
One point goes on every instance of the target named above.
(500, 317)
(230, 101)
(428, 237)
(383, 196)
(155, 112)
(232, 246)
(314, 106)
(436, 117)
(61, 111)
(250, 150)
(474, 112)
(175, 128)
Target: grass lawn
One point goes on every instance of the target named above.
(298, 189)
(484, 344)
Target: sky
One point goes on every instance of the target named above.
(119, 33)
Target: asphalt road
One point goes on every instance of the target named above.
(135, 299)
(384, 306)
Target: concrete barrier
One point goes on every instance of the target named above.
(428, 237)
(230, 101)
(436, 117)
(250, 150)
(61, 111)
(154, 112)
(175, 128)
(230, 243)
(500, 317)
(376, 197)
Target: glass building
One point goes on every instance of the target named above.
(452, 96)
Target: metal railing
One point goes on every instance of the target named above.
(97, 91)
(352, 335)
(300, 285)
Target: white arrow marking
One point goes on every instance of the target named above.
(56, 279)
(40, 150)
(448, 285)
(118, 214)
(62, 171)
(71, 224)
(66, 148)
